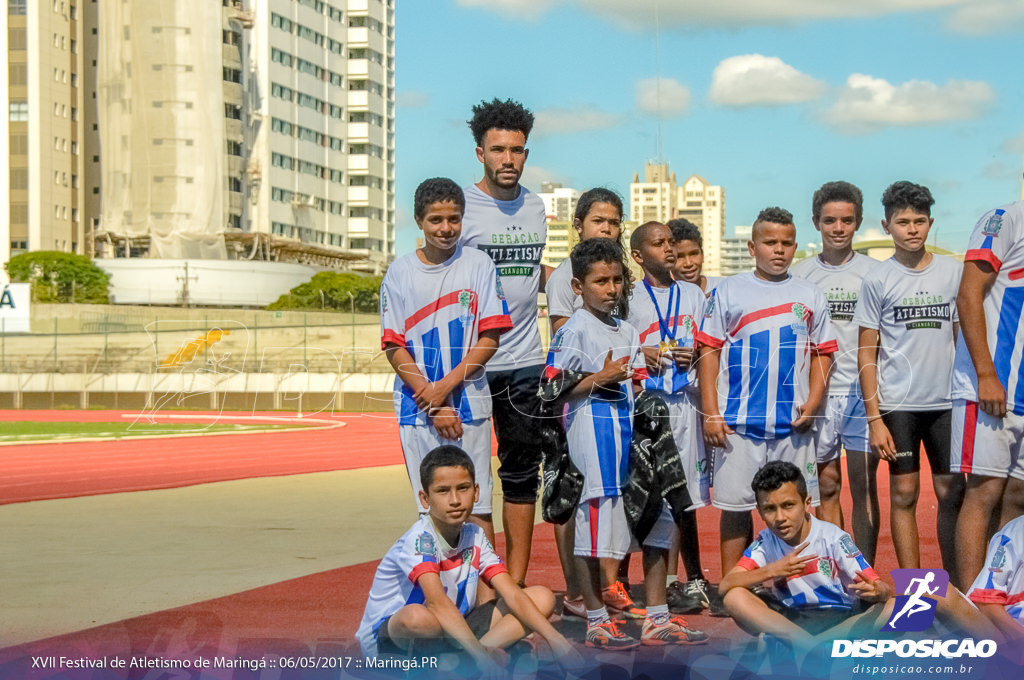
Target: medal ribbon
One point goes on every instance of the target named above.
(667, 332)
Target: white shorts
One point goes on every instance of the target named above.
(602, 529)
(418, 441)
(984, 445)
(739, 461)
(688, 432)
(845, 426)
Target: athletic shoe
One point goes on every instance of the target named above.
(717, 607)
(609, 635)
(619, 603)
(688, 598)
(672, 632)
(577, 608)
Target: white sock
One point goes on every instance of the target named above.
(597, 616)
(658, 614)
(670, 579)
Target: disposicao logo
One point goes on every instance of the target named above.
(915, 609)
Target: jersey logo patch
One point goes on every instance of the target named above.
(425, 545)
(383, 301)
(710, 307)
(999, 559)
(994, 224)
(497, 285)
(848, 546)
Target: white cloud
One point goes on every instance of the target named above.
(756, 80)
(665, 97)
(981, 17)
(513, 9)
(1014, 144)
(563, 121)
(732, 13)
(998, 170)
(412, 99)
(866, 103)
(533, 175)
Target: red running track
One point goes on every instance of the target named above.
(30, 472)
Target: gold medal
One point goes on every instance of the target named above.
(665, 346)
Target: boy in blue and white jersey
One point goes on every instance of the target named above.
(666, 313)
(765, 356)
(441, 314)
(837, 210)
(988, 382)
(598, 419)
(426, 587)
(689, 265)
(998, 590)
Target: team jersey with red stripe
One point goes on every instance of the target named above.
(767, 331)
(913, 311)
(599, 428)
(841, 286)
(437, 311)
(998, 239)
(421, 551)
(1002, 580)
(679, 308)
(823, 583)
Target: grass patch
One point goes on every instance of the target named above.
(26, 431)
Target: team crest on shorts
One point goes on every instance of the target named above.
(994, 224)
(425, 545)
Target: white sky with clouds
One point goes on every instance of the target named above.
(768, 99)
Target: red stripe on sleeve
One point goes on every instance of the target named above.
(705, 339)
(391, 338)
(423, 568)
(492, 571)
(987, 596)
(985, 255)
(747, 563)
(829, 347)
(502, 323)
(870, 573)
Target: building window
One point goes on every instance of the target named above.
(16, 39)
(17, 7)
(232, 75)
(233, 112)
(234, 148)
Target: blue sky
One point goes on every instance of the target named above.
(768, 99)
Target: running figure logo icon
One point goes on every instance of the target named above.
(915, 608)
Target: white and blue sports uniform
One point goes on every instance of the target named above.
(437, 312)
(562, 299)
(673, 313)
(420, 551)
(824, 582)
(982, 444)
(767, 332)
(599, 428)
(1002, 580)
(845, 424)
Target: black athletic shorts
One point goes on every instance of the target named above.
(517, 428)
(478, 619)
(911, 429)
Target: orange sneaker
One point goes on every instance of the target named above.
(609, 635)
(619, 603)
(672, 632)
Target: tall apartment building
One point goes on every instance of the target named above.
(259, 129)
(50, 129)
(736, 257)
(559, 202)
(659, 197)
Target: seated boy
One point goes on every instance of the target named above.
(441, 314)
(599, 427)
(999, 588)
(824, 587)
(426, 585)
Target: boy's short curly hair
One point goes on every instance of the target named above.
(499, 115)
(437, 190)
(587, 253)
(775, 215)
(903, 194)
(841, 192)
(448, 455)
(776, 473)
(685, 230)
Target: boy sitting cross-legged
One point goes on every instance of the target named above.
(426, 585)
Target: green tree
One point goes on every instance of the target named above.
(330, 290)
(60, 277)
